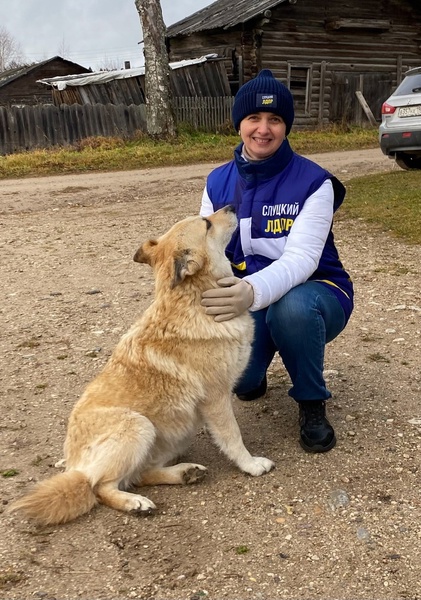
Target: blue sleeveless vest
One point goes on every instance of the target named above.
(268, 196)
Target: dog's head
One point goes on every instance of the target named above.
(194, 245)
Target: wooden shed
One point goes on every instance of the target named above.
(20, 87)
(203, 77)
(324, 51)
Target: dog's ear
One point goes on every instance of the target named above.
(145, 252)
(185, 265)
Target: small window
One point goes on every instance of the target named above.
(299, 82)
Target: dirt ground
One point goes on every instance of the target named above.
(343, 525)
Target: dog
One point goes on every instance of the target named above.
(170, 374)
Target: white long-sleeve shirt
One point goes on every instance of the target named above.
(297, 257)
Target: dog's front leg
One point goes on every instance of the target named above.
(220, 420)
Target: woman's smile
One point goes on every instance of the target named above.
(262, 134)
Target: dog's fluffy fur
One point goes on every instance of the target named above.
(171, 373)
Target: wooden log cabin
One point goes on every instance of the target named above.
(324, 51)
(20, 87)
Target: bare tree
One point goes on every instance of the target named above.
(159, 113)
(63, 49)
(109, 64)
(10, 52)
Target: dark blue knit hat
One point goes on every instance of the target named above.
(264, 93)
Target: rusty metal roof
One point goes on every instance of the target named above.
(221, 14)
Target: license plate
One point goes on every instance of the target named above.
(410, 111)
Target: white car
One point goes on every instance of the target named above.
(400, 129)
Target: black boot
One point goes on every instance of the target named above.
(316, 433)
(256, 393)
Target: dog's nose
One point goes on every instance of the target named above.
(230, 208)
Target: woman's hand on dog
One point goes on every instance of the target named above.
(231, 299)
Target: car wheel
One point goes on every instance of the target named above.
(408, 161)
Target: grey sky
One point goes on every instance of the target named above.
(93, 33)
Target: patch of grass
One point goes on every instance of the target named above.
(242, 549)
(390, 201)
(111, 154)
(9, 473)
(333, 139)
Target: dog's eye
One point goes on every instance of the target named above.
(208, 223)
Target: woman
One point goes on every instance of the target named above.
(286, 267)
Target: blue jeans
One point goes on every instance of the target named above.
(298, 326)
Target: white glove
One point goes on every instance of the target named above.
(231, 299)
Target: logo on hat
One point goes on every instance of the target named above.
(266, 101)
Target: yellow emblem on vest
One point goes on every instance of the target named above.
(240, 267)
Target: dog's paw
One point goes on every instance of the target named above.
(194, 474)
(60, 464)
(259, 466)
(141, 506)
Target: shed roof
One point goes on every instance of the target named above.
(221, 14)
(10, 75)
(62, 81)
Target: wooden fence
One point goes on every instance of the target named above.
(44, 126)
(208, 114)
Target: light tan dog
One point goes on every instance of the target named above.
(173, 372)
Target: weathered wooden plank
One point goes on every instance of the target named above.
(366, 108)
(341, 23)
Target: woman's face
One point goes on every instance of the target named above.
(262, 134)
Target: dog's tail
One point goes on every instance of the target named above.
(57, 500)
